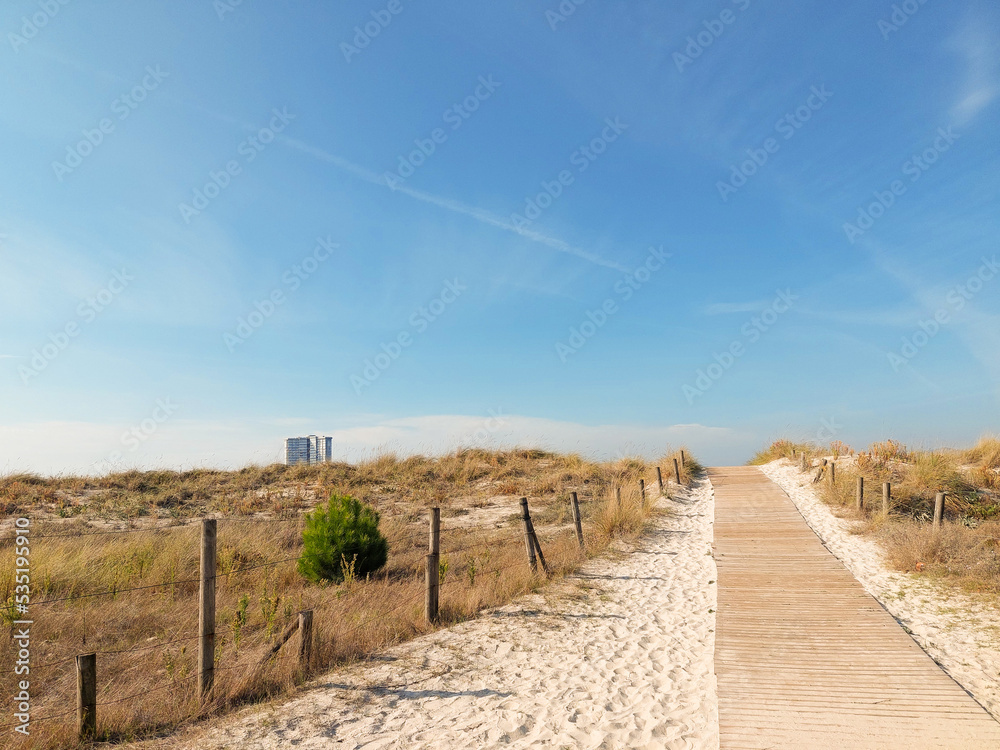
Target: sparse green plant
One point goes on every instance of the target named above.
(239, 620)
(269, 608)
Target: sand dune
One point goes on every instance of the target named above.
(618, 656)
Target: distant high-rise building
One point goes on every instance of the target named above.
(313, 449)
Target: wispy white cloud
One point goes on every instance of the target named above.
(182, 443)
(975, 41)
(448, 204)
(481, 215)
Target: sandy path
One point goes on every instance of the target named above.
(618, 656)
(960, 634)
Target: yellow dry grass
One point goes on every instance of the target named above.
(146, 638)
(964, 550)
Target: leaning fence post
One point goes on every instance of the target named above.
(659, 480)
(677, 472)
(433, 575)
(86, 695)
(575, 505)
(682, 458)
(886, 497)
(538, 548)
(305, 638)
(861, 493)
(206, 609)
(938, 509)
(527, 534)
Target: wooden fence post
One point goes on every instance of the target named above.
(575, 505)
(659, 480)
(86, 695)
(861, 493)
(305, 639)
(618, 496)
(534, 538)
(938, 509)
(433, 575)
(886, 497)
(833, 473)
(528, 543)
(677, 472)
(642, 491)
(682, 458)
(802, 460)
(206, 609)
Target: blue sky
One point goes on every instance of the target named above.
(604, 227)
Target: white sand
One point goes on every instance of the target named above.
(619, 656)
(961, 635)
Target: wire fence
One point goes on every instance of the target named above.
(444, 567)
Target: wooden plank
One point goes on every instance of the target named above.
(805, 658)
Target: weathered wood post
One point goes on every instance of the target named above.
(938, 509)
(677, 472)
(886, 497)
(682, 458)
(528, 541)
(305, 639)
(206, 609)
(861, 493)
(642, 491)
(575, 505)
(433, 573)
(802, 460)
(86, 695)
(659, 480)
(833, 474)
(618, 496)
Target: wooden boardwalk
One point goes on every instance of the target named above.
(805, 659)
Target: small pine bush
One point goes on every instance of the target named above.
(345, 532)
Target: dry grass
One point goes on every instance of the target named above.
(782, 448)
(148, 687)
(964, 551)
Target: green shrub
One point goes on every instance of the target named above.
(345, 532)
